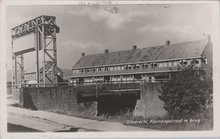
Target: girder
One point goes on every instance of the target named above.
(44, 29)
(30, 26)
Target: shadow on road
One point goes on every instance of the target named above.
(19, 128)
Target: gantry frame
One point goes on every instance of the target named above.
(44, 28)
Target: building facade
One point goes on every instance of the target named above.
(150, 64)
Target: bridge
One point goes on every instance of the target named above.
(50, 95)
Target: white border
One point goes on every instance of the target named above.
(216, 78)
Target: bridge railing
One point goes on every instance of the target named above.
(89, 83)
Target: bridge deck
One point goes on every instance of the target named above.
(93, 92)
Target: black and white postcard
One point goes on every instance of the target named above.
(73, 69)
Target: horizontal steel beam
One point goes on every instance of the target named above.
(24, 51)
(30, 26)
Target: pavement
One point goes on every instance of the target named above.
(54, 122)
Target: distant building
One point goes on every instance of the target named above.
(30, 77)
(152, 64)
(67, 73)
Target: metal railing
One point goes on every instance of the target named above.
(88, 83)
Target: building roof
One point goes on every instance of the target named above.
(163, 52)
(47, 67)
(67, 73)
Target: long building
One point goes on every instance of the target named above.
(151, 64)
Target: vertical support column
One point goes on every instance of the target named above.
(16, 70)
(13, 58)
(43, 38)
(169, 76)
(55, 53)
(37, 55)
(22, 69)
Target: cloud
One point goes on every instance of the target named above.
(71, 51)
(17, 20)
(168, 28)
(81, 45)
(113, 21)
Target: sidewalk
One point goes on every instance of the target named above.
(64, 121)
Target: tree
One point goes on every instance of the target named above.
(188, 94)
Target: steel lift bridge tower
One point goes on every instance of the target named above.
(44, 28)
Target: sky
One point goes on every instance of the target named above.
(92, 29)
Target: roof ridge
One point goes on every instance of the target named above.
(189, 41)
(148, 47)
(176, 50)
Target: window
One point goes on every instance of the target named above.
(165, 64)
(155, 64)
(111, 68)
(184, 62)
(146, 79)
(160, 65)
(118, 68)
(145, 66)
(169, 64)
(193, 62)
(102, 69)
(175, 63)
(152, 79)
(197, 61)
(126, 67)
(134, 67)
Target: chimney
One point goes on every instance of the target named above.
(208, 37)
(134, 47)
(106, 51)
(83, 54)
(167, 43)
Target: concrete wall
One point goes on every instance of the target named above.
(16, 95)
(149, 105)
(56, 99)
(64, 99)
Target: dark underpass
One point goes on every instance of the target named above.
(113, 105)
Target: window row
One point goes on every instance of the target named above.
(140, 66)
(112, 79)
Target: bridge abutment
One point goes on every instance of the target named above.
(56, 99)
(149, 105)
